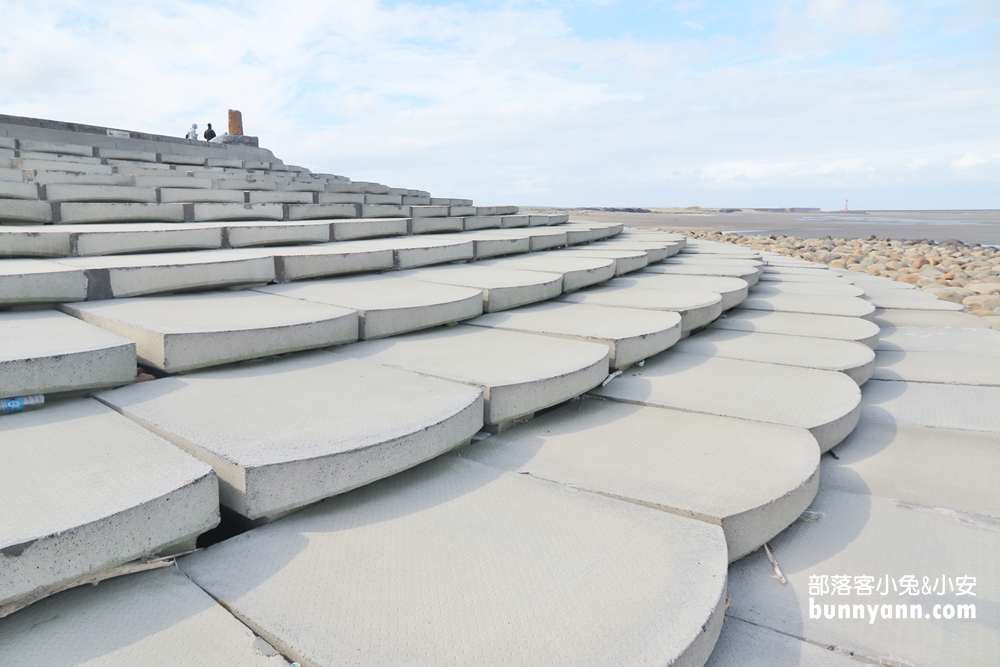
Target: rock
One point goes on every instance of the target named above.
(994, 321)
(984, 288)
(982, 302)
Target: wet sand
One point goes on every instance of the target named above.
(968, 226)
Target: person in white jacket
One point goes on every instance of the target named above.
(193, 132)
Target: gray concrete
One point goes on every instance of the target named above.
(891, 318)
(73, 213)
(799, 324)
(170, 621)
(327, 259)
(956, 407)
(347, 230)
(485, 246)
(474, 222)
(518, 373)
(275, 232)
(811, 304)
(626, 261)
(743, 644)
(943, 339)
(694, 465)
(138, 275)
(30, 281)
(410, 252)
(771, 288)
(909, 300)
(83, 489)
(855, 360)
(47, 352)
(457, 563)
(183, 333)
(387, 304)
(946, 367)
(214, 212)
(577, 272)
(630, 334)
(696, 307)
(655, 252)
(322, 211)
(429, 225)
(501, 288)
(748, 273)
(200, 196)
(25, 212)
(539, 238)
(732, 290)
(354, 422)
(825, 402)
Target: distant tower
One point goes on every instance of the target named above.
(845, 206)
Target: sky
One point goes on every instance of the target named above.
(756, 103)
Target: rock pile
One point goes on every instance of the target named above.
(951, 270)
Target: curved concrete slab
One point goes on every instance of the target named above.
(732, 290)
(748, 273)
(800, 324)
(770, 288)
(854, 360)
(715, 260)
(413, 251)
(811, 304)
(655, 252)
(941, 339)
(826, 403)
(696, 307)
(715, 248)
(744, 644)
(889, 318)
(181, 333)
(909, 300)
(322, 260)
(456, 561)
(695, 465)
(539, 238)
(387, 304)
(47, 352)
(813, 270)
(275, 232)
(27, 281)
(950, 367)
(631, 334)
(170, 622)
(368, 228)
(502, 288)
(828, 278)
(958, 407)
(872, 282)
(343, 423)
(626, 261)
(519, 373)
(577, 272)
(82, 489)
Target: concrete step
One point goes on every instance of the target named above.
(766, 288)
(655, 252)
(844, 306)
(748, 273)
(35, 281)
(577, 272)
(946, 367)
(539, 238)
(236, 211)
(825, 402)
(455, 561)
(749, 645)
(434, 225)
(14, 190)
(138, 275)
(199, 196)
(170, 621)
(46, 352)
(696, 307)
(519, 373)
(943, 339)
(274, 232)
(322, 211)
(487, 246)
(875, 282)
(354, 422)
(182, 333)
(92, 212)
(799, 324)
(692, 465)
(475, 222)
(68, 192)
(326, 259)
(693, 247)
(384, 211)
(854, 360)
(509, 221)
(891, 318)
(349, 230)
(715, 260)
(388, 305)
(828, 278)
(410, 252)
(626, 261)
(630, 334)
(502, 288)
(21, 212)
(956, 407)
(909, 300)
(60, 148)
(101, 492)
(732, 290)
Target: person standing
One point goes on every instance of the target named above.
(209, 133)
(193, 132)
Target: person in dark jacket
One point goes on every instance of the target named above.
(209, 133)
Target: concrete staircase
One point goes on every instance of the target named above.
(446, 433)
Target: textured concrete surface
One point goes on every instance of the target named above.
(577, 272)
(519, 373)
(410, 252)
(854, 360)
(655, 252)
(828, 278)
(743, 644)
(950, 367)
(909, 300)
(303, 429)
(328, 259)
(347, 230)
(24, 281)
(388, 305)
(45, 352)
(182, 333)
(801, 324)
(539, 238)
(502, 288)
(457, 563)
(159, 618)
(696, 307)
(275, 232)
(826, 403)
(863, 535)
(83, 489)
(891, 318)
(631, 334)
(690, 464)
(138, 275)
(732, 290)
(844, 306)
(940, 339)
(821, 289)
(109, 239)
(626, 261)
(958, 407)
(747, 273)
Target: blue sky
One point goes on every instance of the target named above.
(600, 103)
